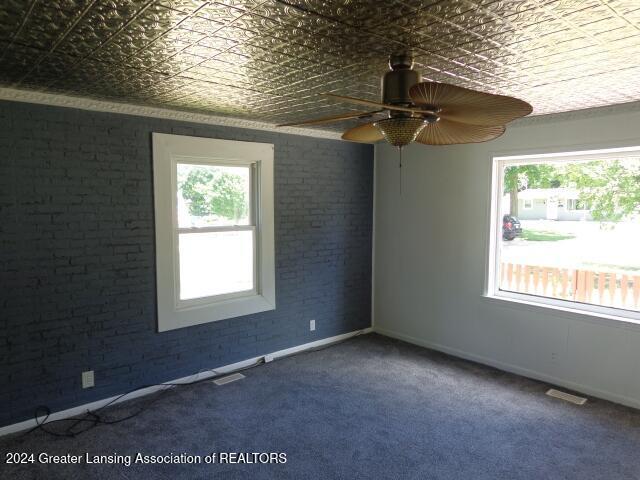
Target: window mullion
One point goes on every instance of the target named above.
(230, 228)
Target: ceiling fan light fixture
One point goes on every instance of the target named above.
(400, 131)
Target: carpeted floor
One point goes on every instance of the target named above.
(368, 408)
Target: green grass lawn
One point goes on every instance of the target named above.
(544, 236)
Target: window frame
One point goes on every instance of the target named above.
(168, 152)
(177, 230)
(492, 287)
(524, 204)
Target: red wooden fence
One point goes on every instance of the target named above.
(601, 288)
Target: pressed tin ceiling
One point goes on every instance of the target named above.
(270, 60)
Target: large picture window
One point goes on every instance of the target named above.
(214, 229)
(565, 231)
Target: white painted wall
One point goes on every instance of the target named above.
(430, 256)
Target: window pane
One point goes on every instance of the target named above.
(571, 230)
(211, 196)
(215, 263)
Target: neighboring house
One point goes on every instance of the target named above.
(550, 204)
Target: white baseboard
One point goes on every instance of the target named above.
(81, 409)
(585, 389)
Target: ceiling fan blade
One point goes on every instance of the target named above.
(447, 132)
(469, 106)
(366, 133)
(334, 118)
(369, 103)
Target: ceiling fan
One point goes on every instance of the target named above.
(431, 113)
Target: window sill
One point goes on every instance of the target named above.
(517, 302)
(222, 310)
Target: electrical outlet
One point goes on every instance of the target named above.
(312, 325)
(88, 379)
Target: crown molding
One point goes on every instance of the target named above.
(91, 104)
(85, 103)
(584, 113)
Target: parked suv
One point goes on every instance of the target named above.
(511, 227)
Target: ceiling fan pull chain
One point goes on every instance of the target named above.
(400, 169)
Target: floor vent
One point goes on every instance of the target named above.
(567, 397)
(228, 379)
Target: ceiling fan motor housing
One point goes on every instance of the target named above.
(397, 82)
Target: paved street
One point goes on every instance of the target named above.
(595, 246)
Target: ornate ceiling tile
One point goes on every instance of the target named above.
(272, 60)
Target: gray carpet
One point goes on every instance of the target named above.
(368, 408)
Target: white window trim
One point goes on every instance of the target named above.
(524, 204)
(492, 289)
(167, 150)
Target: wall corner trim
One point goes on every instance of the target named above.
(80, 409)
(96, 105)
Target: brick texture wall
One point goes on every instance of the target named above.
(77, 259)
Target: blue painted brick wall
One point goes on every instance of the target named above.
(77, 255)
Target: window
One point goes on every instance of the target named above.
(528, 204)
(584, 257)
(577, 204)
(214, 229)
